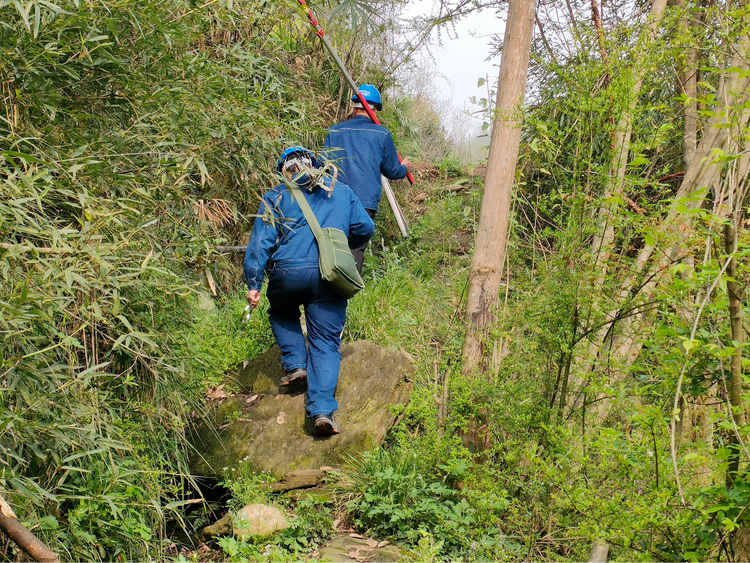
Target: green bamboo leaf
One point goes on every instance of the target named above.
(37, 19)
(23, 11)
(79, 455)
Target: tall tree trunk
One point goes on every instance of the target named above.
(489, 249)
(735, 320)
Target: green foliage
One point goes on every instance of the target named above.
(131, 133)
(219, 340)
(427, 550)
(251, 549)
(246, 486)
(394, 500)
(450, 166)
(311, 526)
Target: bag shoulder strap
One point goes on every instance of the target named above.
(307, 211)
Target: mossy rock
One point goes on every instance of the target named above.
(372, 380)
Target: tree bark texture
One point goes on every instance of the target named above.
(735, 321)
(489, 249)
(27, 541)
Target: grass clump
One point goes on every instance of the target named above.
(219, 340)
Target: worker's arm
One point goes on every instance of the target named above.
(391, 168)
(258, 251)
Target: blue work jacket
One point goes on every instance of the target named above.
(363, 151)
(281, 233)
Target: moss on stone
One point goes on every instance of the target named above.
(371, 381)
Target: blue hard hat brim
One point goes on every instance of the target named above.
(371, 94)
(294, 150)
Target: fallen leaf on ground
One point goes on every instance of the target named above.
(251, 398)
(357, 536)
(326, 468)
(336, 522)
(281, 418)
(383, 543)
(372, 543)
(216, 393)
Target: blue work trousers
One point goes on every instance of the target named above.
(289, 288)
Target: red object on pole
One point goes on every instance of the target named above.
(353, 85)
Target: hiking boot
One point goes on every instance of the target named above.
(325, 425)
(293, 381)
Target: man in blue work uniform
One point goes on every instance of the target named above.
(281, 234)
(363, 151)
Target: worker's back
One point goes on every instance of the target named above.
(363, 151)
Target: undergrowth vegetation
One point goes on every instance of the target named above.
(135, 139)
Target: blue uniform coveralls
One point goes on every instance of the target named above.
(364, 151)
(294, 280)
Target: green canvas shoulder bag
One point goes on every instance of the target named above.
(337, 265)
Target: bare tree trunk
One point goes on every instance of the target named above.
(735, 320)
(489, 249)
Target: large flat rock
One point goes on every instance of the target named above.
(271, 433)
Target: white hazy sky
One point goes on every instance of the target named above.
(462, 60)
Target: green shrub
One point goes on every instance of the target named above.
(245, 486)
(394, 500)
(219, 340)
(451, 166)
(309, 528)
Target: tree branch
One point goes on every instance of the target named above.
(27, 541)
